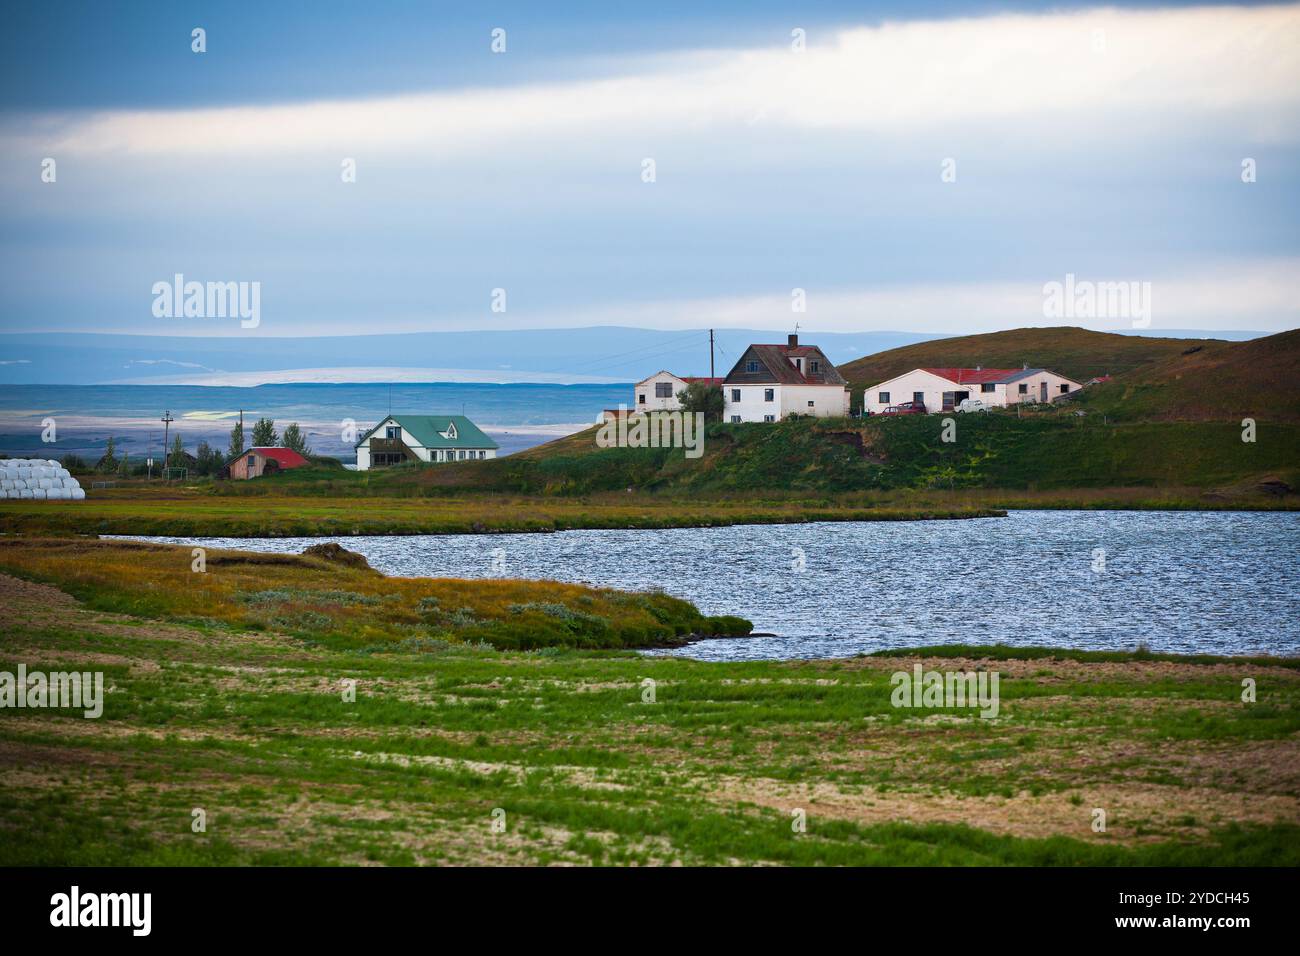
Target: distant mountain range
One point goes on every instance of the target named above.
(581, 355)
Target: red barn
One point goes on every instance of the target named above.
(256, 461)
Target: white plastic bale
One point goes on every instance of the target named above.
(78, 494)
(38, 493)
(25, 493)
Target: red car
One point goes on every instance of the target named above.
(907, 408)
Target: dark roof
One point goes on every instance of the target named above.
(428, 431)
(775, 366)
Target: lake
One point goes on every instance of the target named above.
(1212, 582)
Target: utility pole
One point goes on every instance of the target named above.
(167, 424)
(711, 353)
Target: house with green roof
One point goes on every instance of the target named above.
(428, 438)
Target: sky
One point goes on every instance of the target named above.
(919, 168)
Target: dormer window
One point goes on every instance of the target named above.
(814, 366)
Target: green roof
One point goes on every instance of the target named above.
(428, 431)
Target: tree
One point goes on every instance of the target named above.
(124, 467)
(237, 440)
(108, 464)
(177, 457)
(699, 397)
(74, 463)
(207, 459)
(295, 439)
(264, 435)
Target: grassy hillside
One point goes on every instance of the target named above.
(1258, 379)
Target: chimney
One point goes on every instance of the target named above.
(794, 340)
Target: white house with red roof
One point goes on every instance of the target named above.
(658, 393)
(772, 382)
(943, 389)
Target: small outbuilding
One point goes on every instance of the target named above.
(258, 461)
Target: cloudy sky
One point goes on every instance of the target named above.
(794, 146)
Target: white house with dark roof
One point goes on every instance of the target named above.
(427, 438)
(772, 382)
(943, 389)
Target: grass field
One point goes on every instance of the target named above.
(453, 752)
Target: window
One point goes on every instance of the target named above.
(462, 454)
(988, 387)
(640, 399)
(814, 366)
(482, 454)
(393, 431)
(735, 395)
(883, 398)
(1024, 388)
(918, 397)
(1064, 389)
(769, 418)
(735, 419)
(810, 404)
(663, 389)
(769, 394)
(751, 366)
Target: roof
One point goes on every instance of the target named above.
(979, 376)
(287, 457)
(701, 378)
(775, 359)
(428, 431)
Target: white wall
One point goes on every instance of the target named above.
(647, 388)
(829, 401)
(1034, 390)
(900, 390)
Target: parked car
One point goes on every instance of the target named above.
(971, 405)
(907, 408)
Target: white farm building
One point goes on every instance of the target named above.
(943, 389)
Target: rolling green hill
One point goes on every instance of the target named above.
(1258, 379)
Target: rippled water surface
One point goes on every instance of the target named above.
(1209, 582)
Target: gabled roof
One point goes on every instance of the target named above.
(775, 366)
(287, 457)
(430, 431)
(688, 379)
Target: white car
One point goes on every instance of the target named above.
(972, 405)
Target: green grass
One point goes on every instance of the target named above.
(252, 726)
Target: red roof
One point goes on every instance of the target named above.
(705, 379)
(974, 376)
(287, 457)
